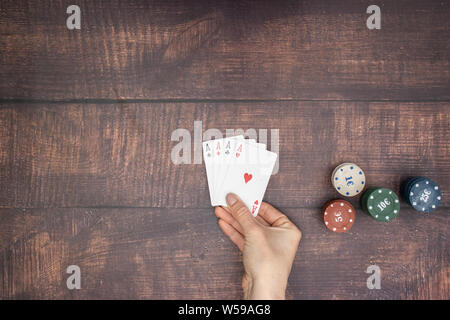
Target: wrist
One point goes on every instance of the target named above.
(267, 288)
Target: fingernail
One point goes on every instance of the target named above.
(231, 199)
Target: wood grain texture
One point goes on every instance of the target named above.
(120, 155)
(182, 254)
(86, 119)
(311, 49)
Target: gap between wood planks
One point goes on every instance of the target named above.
(180, 100)
(441, 207)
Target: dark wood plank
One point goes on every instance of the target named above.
(182, 254)
(311, 49)
(120, 155)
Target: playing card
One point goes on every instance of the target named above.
(248, 175)
(240, 149)
(207, 157)
(224, 149)
(223, 162)
(238, 165)
(216, 153)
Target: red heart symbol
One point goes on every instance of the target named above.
(256, 202)
(237, 155)
(247, 177)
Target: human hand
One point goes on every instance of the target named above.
(268, 244)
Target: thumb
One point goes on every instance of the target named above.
(240, 212)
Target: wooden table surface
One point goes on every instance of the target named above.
(86, 123)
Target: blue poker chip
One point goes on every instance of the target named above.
(406, 187)
(412, 182)
(422, 194)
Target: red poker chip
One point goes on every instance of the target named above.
(338, 215)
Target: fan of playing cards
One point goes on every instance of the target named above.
(238, 165)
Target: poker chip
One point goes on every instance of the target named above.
(338, 215)
(381, 203)
(423, 194)
(348, 179)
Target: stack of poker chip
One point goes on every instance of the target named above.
(381, 203)
(348, 179)
(338, 215)
(422, 194)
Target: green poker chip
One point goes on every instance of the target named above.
(381, 203)
(363, 199)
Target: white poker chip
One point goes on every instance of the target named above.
(348, 179)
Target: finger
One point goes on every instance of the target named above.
(240, 212)
(272, 215)
(232, 233)
(224, 214)
(258, 218)
(262, 221)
